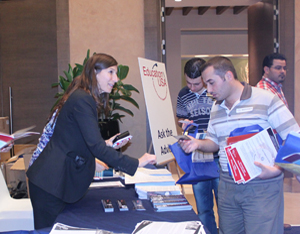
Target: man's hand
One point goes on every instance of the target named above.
(185, 123)
(268, 172)
(189, 146)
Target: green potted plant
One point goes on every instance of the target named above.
(109, 125)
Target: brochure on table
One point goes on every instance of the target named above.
(159, 108)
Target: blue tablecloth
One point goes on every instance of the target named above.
(89, 213)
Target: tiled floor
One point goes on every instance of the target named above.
(291, 199)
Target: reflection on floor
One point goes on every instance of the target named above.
(291, 198)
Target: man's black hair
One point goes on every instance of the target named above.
(268, 60)
(192, 67)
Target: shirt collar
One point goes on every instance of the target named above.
(271, 82)
(197, 94)
(246, 94)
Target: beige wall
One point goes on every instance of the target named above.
(297, 61)
(116, 28)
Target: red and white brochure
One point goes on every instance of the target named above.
(233, 166)
(262, 147)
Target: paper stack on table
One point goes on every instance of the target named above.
(150, 227)
(152, 180)
(169, 202)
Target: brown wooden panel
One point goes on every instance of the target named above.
(260, 37)
(287, 47)
(28, 54)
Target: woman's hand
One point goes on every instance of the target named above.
(109, 142)
(123, 142)
(100, 166)
(147, 159)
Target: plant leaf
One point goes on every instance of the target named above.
(69, 75)
(122, 71)
(117, 116)
(116, 96)
(131, 100)
(130, 87)
(125, 110)
(64, 84)
(87, 57)
(54, 85)
(126, 92)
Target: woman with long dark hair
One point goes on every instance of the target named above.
(63, 166)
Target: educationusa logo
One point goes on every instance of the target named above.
(158, 79)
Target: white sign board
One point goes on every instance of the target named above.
(159, 108)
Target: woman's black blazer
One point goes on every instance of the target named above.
(66, 166)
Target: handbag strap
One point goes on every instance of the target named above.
(187, 127)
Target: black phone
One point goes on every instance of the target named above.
(182, 137)
(122, 135)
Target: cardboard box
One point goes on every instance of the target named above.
(4, 125)
(16, 166)
(18, 148)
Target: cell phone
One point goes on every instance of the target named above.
(121, 136)
(182, 137)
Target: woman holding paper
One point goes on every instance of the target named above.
(65, 168)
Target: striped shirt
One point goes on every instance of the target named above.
(256, 106)
(194, 106)
(267, 84)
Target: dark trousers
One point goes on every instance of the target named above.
(46, 207)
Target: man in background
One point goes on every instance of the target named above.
(193, 106)
(274, 73)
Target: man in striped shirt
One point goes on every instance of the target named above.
(274, 73)
(257, 206)
(194, 106)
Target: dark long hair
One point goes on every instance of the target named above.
(87, 81)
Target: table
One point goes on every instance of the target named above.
(89, 213)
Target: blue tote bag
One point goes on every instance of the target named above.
(194, 172)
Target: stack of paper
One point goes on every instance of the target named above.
(169, 202)
(261, 147)
(6, 139)
(60, 228)
(188, 227)
(152, 180)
